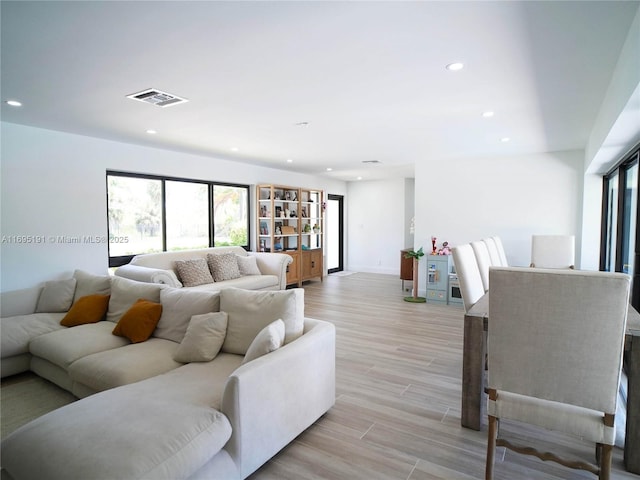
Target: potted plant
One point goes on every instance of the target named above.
(416, 255)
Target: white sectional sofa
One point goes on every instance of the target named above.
(160, 408)
(256, 270)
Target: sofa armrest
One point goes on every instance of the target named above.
(272, 399)
(149, 275)
(19, 302)
(273, 264)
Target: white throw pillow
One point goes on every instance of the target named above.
(193, 272)
(204, 338)
(125, 292)
(223, 266)
(56, 296)
(178, 306)
(90, 284)
(247, 265)
(250, 311)
(268, 340)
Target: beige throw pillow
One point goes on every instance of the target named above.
(250, 311)
(178, 306)
(56, 296)
(248, 265)
(223, 266)
(204, 338)
(193, 272)
(268, 340)
(125, 292)
(90, 284)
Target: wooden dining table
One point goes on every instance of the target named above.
(476, 321)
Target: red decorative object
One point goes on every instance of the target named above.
(433, 246)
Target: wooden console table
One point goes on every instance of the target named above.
(476, 321)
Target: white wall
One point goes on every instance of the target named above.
(376, 225)
(53, 184)
(512, 197)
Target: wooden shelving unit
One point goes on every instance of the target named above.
(290, 220)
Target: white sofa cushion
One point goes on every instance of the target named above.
(63, 347)
(248, 282)
(125, 292)
(56, 296)
(178, 306)
(129, 364)
(18, 331)
(268, 340)
(250, 311)
(150, 434)
(90, 284)
(204, 338)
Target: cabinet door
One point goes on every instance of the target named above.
(293, 269)
(316, 263)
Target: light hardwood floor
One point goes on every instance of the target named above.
(397, 411)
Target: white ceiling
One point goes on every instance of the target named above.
(368, 77)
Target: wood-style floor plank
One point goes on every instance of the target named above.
(397, 411)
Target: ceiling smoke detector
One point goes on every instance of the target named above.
(157, 98)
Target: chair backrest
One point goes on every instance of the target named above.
(468, 273)
(493, 251)
(557, 334)
(553, 251)
(503, 255)
(483, 259)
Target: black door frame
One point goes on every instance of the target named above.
(340, 200)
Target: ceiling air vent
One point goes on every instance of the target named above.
(371, 161)
(156, 97)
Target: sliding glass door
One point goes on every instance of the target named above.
(620, 249)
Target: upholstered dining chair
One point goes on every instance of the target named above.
(468, 273)
(501, 252)
(494, 255)
(555, 343)
(553, 251)
(483, 260)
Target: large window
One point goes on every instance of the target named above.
(153, 214)
(620, 250)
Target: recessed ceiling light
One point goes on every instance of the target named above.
(329, 169)
(505, 139)
(13, 103)
(234, 149)
(289, 160)
(152, 132)
(358, 178)
(454, 67)
(488, 114)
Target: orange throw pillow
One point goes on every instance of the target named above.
(138, 323)
(87, 309)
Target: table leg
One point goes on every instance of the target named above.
(632, 435)
(473, 353)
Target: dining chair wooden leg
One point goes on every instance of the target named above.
(491, 446)
(606, 454)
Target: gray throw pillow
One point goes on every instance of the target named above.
(268, 340)
(56, 296)
(204, 338)
(248, 265)
(193, 272)
(223, 266)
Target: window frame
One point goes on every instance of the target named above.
(117, 261)
(621, 170)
